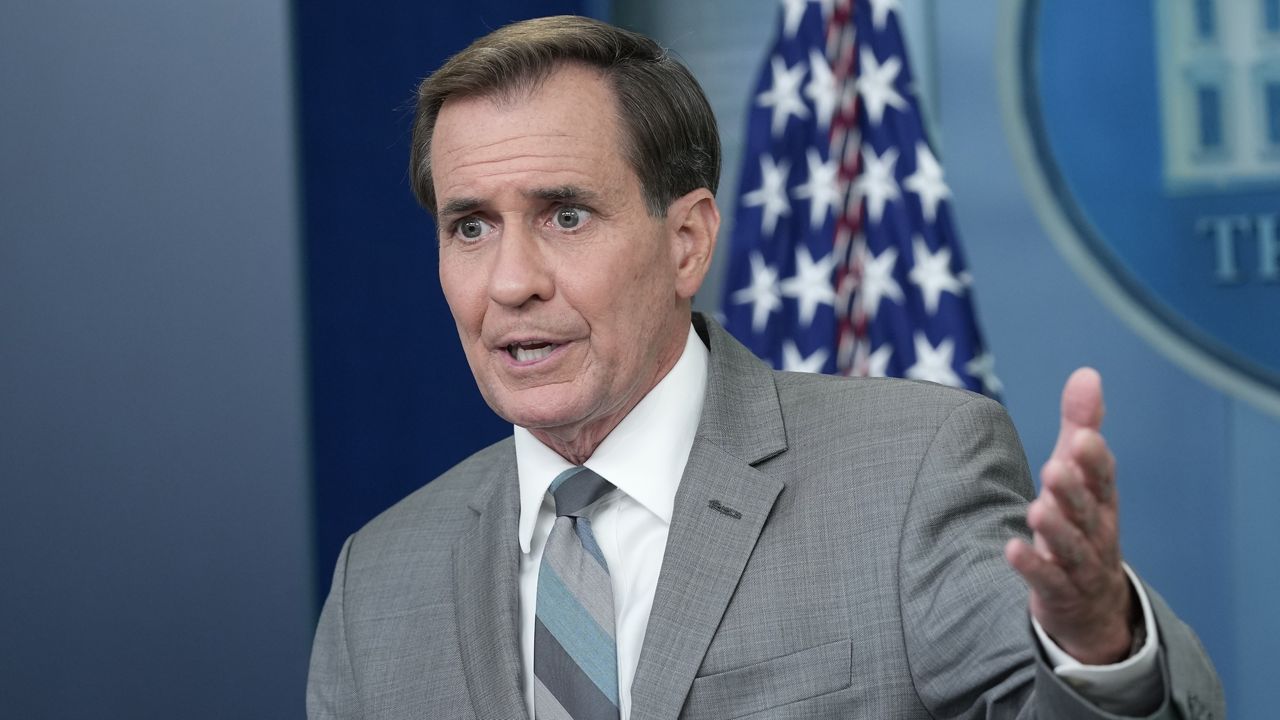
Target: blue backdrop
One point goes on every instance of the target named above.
(392, 401)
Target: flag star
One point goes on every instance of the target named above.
(784, 95)
(811, 285)
(821, 88)
(792, 13)
(878, 361)
(875, 84)
(822, 189)
(983, 367)
(880, 11)
(877, 280)
(934, 364)
(932, 272)
(762, 292)
(772, 193)
(927, 182)
(877, 183)
(795, 362)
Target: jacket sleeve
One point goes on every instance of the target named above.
(970, 645)
(331, 690)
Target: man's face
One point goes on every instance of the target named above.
(567, 294)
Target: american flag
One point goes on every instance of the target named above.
(843, 256)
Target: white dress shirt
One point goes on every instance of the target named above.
(644, 457)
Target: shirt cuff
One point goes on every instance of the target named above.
(1127, 687)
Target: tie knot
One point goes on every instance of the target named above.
(576, 488)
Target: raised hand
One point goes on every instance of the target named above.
(1080, 593)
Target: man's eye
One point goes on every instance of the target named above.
(570, 218)
(473, 228)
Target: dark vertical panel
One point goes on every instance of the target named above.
(392, 400)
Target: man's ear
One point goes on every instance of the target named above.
(693, 222)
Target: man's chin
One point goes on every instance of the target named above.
(544, 416)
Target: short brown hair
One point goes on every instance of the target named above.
(670, 133)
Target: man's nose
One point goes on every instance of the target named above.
(520, 271)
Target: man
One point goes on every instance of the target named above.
(675, 530)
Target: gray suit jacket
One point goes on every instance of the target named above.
(835, 551)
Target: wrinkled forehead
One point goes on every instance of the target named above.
(569, 116)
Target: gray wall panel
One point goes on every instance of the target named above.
(153, 494)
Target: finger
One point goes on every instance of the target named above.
(1042, 576)
(1082, 406)
(1072, 493)
(1089, 451)
(1097, 521)
(1064, 542)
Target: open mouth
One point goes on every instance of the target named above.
(530, 351)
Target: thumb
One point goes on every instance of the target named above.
(1082, 406)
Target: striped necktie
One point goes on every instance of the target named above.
(575, 659)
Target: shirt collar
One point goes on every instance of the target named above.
(644, 456)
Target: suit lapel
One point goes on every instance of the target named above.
(721, 508)
(486, 572)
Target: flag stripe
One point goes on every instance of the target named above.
(864, 200)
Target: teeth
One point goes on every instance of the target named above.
(523, 354)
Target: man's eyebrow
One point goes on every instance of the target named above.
(459, 206)
(565, 193)
(559, 193)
